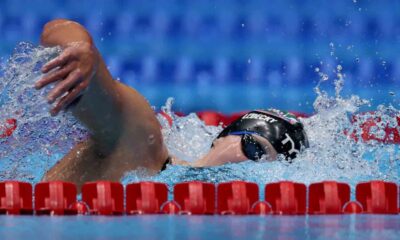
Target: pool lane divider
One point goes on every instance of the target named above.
(238, 197)
(195, 197)
(328, 197)
(145, 197)
(378, 197)
(104, 197)
(15, 198)
(55, 198)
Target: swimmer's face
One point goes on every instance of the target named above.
(233, 144)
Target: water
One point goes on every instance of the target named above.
(40, 140)
(198, 227)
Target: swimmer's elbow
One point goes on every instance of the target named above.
(63, 31)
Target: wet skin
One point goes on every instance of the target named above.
(124, 132)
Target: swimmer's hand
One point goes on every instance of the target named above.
(72, 72)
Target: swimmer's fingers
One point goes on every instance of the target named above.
(59, 61)
(65, 85)
(69, 98)
(54, 76)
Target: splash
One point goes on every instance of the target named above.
(333, 154)
(39, 139)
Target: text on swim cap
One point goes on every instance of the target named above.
(288, 139)
(259, 117)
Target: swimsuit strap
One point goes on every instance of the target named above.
(164, 166)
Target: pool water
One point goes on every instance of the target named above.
(40, 140)
(202, 227)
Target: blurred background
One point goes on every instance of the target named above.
(230, 55)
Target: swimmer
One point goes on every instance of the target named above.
(124, 132)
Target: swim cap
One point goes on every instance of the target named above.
(282, 129)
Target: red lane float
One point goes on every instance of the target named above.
(15, 198)
(170, 207)
(145, 197)
(104, 197)
(261, 208)
(327, 197)
(352, 207)
(211, 118)
(286, 197)
(7, 128)
(378, 197)
(368, 126)
(80, 207)
(168, 117)
(228, 119)
(55, 198)
(236, 197)
(195, 197)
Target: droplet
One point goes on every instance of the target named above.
(151, 139)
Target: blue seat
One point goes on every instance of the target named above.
(184, 71)
(366, 70)
(128, 64)
(202, 66)
(255, 71)
(222, 70)
(125, 24)
(219, 41)
(150, 69)
(160, 22)
(293, 69)
(166, 70)
(226, 23)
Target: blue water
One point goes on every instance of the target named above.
(201, 227)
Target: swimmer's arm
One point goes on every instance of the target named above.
(80, 69)
(61, 32)
(121, 122)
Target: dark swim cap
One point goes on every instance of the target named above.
(282, 129)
